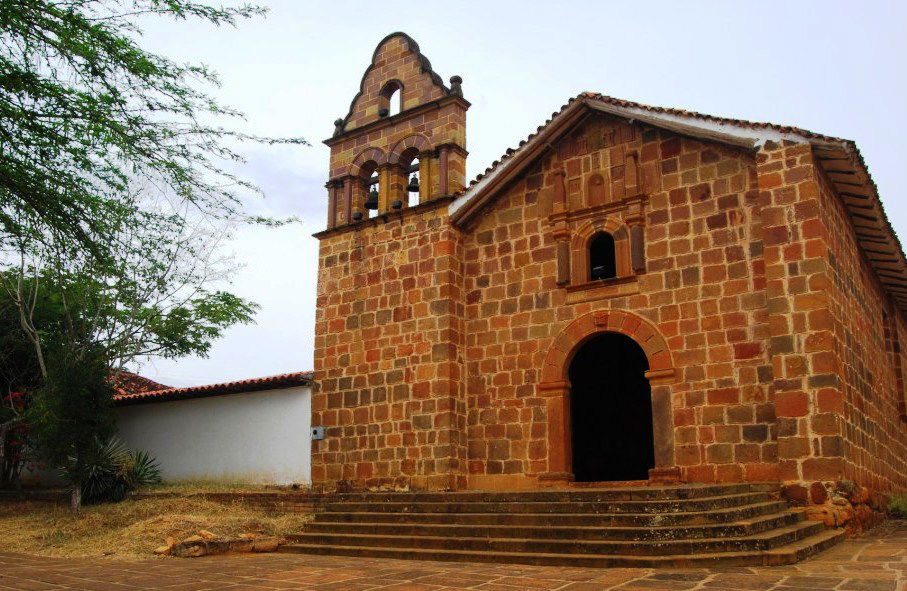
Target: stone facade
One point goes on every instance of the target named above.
(445, 329)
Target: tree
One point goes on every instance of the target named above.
(74, 323)
(71, 416)
(19, 376)
(87, 116)
(13, 432)
(109, 167)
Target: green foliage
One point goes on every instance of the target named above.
(111, 471)
(126, 318)
(142, 470)
(71, 412)
(115, 183)
(89, 119)
(81, 316)
(19, 369)
(100, 473)
(897, 506)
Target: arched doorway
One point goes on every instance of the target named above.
(611, 410)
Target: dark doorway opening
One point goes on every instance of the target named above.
(611, 410)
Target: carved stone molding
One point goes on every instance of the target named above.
(554, 387)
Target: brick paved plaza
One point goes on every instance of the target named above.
(877, 562)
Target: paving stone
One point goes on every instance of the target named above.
(868, 585)
(859, 565)
(811, 582)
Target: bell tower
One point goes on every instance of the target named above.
(389, 386)
(403, 142)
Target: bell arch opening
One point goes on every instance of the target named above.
(409, 163)
(370, 189)
(390, 99)
(611, 424)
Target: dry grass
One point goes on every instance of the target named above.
(203, 486)
(129, 529)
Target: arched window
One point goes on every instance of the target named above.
(395, 102)
(412, 185)
(390, 99)
(602, 259)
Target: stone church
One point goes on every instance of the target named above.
(633, 293)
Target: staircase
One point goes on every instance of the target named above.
(673, 526)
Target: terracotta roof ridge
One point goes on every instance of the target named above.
(249, 384)
(591, 95)
(129, 382)
(706, 116)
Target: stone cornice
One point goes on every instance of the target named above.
(402, 115)
(387, 216)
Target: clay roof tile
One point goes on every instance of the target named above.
(285, 380)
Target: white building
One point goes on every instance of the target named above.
(254, 431)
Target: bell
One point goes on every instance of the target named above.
(413, 186)
(372, 201)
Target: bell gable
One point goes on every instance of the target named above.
(397, 65)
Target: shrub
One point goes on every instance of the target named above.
(143, 470)
(897, 506)
(112, 471)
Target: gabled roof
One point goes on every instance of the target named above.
(286, 380)
(840, 159)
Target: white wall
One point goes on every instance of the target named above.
(256, 437)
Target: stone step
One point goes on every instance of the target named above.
(642, 493)
(762, 541)
(725, 515)
(557, 530)
(743, 524)
(787, 554)
(585, 507)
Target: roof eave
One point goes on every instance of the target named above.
(278, 382)
(725, 132)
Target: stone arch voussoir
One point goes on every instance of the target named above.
(585, 232)
(419, 142)
(554, 388)
(643, 332)
(375, 155)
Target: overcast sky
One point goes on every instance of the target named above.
(835, 67)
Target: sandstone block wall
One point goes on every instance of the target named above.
(441, 350)
(388, 359)
(868, 402)
(703, 288)
(836, 361)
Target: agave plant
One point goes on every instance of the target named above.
(111, 472)
(102, 479)
(143, 470)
